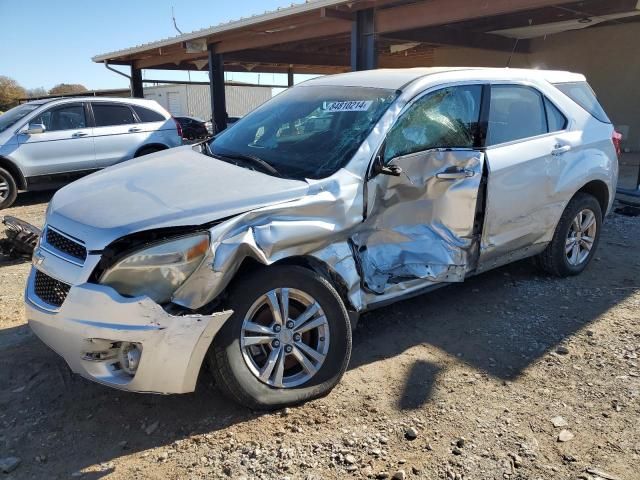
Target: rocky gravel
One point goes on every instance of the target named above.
(512, 375)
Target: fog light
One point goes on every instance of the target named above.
(129, 356)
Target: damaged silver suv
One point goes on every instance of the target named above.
(257, 251)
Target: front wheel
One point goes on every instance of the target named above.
(288, 340)
(576, 237)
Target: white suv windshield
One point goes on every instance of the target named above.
(306, 132)
(12, 116)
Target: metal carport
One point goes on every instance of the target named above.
(330, 36)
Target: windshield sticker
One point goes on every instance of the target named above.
(348, 106)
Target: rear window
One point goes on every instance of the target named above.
(581, 93)
(109, 114)
(147, 115)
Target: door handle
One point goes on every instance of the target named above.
(134, 129)
(79, 134)
(560, 149)
(455, 175)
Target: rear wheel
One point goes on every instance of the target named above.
(575, 239)
(8, 189)
(288, 340)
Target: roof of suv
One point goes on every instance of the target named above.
(136, 101)
(399, 77)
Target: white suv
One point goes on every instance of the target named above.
(340, 195)
(46, 143)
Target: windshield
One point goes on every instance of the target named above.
(12, 116)
(306, 132)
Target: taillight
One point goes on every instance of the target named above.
(617, 142)
(178, 126)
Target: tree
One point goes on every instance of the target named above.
(37, 92)
(10, 92)
(63, 88)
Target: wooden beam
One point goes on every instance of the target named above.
(336, 14)
(442, 12)
(288, 57)
(171, 58)
(462, 38)
(295, 34)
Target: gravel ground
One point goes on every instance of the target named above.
(511, 375)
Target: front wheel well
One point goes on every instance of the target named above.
(599, 190)
(249, 265)
(15, 172)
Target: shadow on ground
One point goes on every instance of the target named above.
(498, 323)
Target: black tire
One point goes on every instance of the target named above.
(8, 196)
(147, 151)
(231, 372)
(553, 259)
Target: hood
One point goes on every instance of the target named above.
(172, 188)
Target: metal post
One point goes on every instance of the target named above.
(136, 83)
(290, 77)
(364, 55)
(216, 87)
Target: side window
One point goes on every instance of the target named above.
(147, 115)
(65, 117)
(109, 114)
(555, 119)
(446, 118)
(516, 112)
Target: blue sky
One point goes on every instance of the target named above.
(45, 42)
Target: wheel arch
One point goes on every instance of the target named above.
(13, 169)
(250, 265)
(158, 146)
(599, 190)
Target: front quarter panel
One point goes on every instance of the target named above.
(322, 219)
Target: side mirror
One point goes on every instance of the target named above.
(34, 129)
(382, 169)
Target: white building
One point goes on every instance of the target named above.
(195, 101)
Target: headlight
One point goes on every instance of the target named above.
(159, 270)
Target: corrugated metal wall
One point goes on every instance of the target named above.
(194, 100)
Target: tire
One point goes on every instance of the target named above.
(231, 361)
(8, 189)
(147, 151)
(555, 259)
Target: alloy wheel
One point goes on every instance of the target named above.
(4, 188)
(285, 337)
(581, 237)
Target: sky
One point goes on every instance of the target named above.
(45, 42)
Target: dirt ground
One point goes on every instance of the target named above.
(479, 373)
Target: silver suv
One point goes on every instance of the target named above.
(47, 143)
(258, 250)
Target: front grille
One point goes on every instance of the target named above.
(50, 290)
(66, 245)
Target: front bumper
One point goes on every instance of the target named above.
(92, 316)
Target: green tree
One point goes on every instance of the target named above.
(10, 93)
(63, 88)
(37, 92)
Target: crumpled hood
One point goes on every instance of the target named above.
(172, 188)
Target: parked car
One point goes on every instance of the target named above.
(230, 121)
(340, 195)
(192, 128)
(47, 143)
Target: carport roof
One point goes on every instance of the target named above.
(315, 36)
(241, 23)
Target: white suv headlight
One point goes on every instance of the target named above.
(157, 271)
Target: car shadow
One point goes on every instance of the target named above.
(498, 323)
(27, 199)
